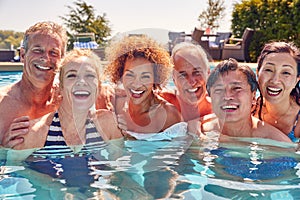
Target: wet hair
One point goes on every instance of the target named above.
(190, 45)
(47, 28)
(282, 47)
(231, 65)
(130, 47)
(72, 55)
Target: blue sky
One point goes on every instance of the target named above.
(175, 15)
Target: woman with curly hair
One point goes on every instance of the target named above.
(140, 66)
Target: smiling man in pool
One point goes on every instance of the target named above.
(35, 94)
(232, 88)
(190, 72)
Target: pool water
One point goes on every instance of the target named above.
(183, 168)
(9, 77)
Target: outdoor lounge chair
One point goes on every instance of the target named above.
(197, 37)
(7, 55)
(238, 48)
(175, 38)
(216, 46)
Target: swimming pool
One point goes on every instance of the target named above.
(8, 77)
(179, 169)
(183, 168)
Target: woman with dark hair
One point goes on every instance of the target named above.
(278, 78)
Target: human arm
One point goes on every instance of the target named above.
(18, 128)
(106, 123)
(265, 130)
(36, 134)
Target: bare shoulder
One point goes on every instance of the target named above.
(265, 130)
(8, 92)
(173, 115)
(106, 124)
(103, 113)
(170, 108)
(169, 96)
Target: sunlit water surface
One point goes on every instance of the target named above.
(184, 168)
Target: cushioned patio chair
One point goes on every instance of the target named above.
(222, 38)
(238, 48)
(175, 38)
(216, 46)
(197, 37)
(7, 55)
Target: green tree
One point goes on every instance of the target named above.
(211, 16)
(10, 38)
(271, 20)
(82, 19)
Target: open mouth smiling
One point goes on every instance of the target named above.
(136, 93)
(193, 90)
(229, 107)
(81, 93)
(42, 68)
(273, 91)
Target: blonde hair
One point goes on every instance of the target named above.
(138, 47)
(94, 60)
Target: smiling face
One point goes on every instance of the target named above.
(138, 79)
(41, 58)
(190, 75)
(79, 84)
(277, 77)
(231, 97)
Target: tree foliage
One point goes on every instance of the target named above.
(82, 19)
(271, 20)
(211, 16)
(10, 38)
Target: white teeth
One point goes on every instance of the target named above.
(274, 89)
(229, 107)
(81, 93)
(273, 93)
(136, 92)
(193, 90)
(42, 67)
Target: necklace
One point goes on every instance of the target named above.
(275, 120)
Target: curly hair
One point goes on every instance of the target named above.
(47, 28)
(138, 47)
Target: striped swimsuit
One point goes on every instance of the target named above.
(55, 145)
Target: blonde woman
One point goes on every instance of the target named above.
(75, 126)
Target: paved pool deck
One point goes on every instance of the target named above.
(11, 66)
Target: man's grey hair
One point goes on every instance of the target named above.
(190, 45)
